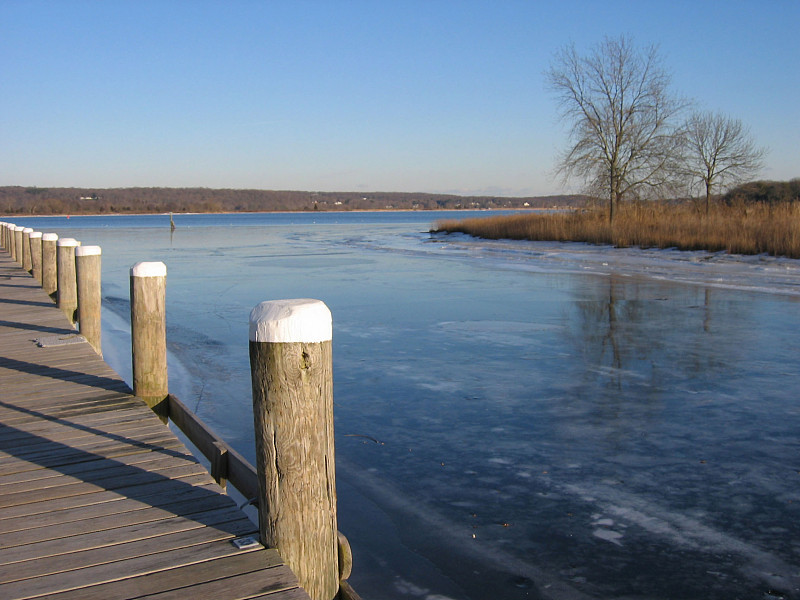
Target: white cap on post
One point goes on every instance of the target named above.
(285, 321)
(65, 242)
(49, 237)
(149, 269)
(36, 234)
(87, 251)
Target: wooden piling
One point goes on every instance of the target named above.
(10, 238)
(26, 248)
(149, 334)
(36, 255)
(87, 272)
(17, 256)
(4, 225)
(67, 293)
(292, 378)
(49, 264)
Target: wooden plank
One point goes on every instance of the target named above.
(127, 430)
(147, 461)
(91, 522)
(144, 564)
(101, 472)
(238, 587)
(120, 481)
(189, 501)
(220, 518)
(111, 554)
(293, 594)
(145, 493)
(175, 578)
(82, 457)
(37, 425)
(52, 456)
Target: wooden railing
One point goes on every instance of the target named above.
(229, 466)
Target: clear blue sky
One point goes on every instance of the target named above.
(427, 95)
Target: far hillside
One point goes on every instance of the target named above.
(77, 201)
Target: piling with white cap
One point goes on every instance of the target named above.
(87, 272)
(149, 335)
(26, 248)
(292, 377)
(49, 264)
(36, 255)
(17, 256)
(67, 293)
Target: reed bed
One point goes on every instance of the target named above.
(736, 229)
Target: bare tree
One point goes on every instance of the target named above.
(622, 116)
(718, 151)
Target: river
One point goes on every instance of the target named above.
(513, 419)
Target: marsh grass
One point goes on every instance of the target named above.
(737, 229)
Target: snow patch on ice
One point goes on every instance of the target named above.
(608, 535)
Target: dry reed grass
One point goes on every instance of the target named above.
(738, 229)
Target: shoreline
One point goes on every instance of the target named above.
(284, 212)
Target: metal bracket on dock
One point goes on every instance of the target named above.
(245, 543)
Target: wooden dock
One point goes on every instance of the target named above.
(98, 499)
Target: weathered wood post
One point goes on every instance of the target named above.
(9, 239)
(67, 293)
(18, 244)
(26, 248)
(36, 255)
(149, 334)
(4, 234)
(49, 264)
(292, 377)
(87, 272)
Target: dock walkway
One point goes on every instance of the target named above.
(98, 499)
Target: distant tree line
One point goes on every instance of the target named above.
(764, 192)
(75, 201)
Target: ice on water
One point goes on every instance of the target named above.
(621, 422)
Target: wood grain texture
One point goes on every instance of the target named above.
(49, 268)
(36, 258)
(26, 251)
(87, 272)
(67, 292)
(149, 340)
(293, 412)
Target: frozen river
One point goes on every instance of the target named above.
(513, 420)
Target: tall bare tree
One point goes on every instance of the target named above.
(621, 115)
(718, 151)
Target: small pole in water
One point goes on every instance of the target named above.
(171, 223)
